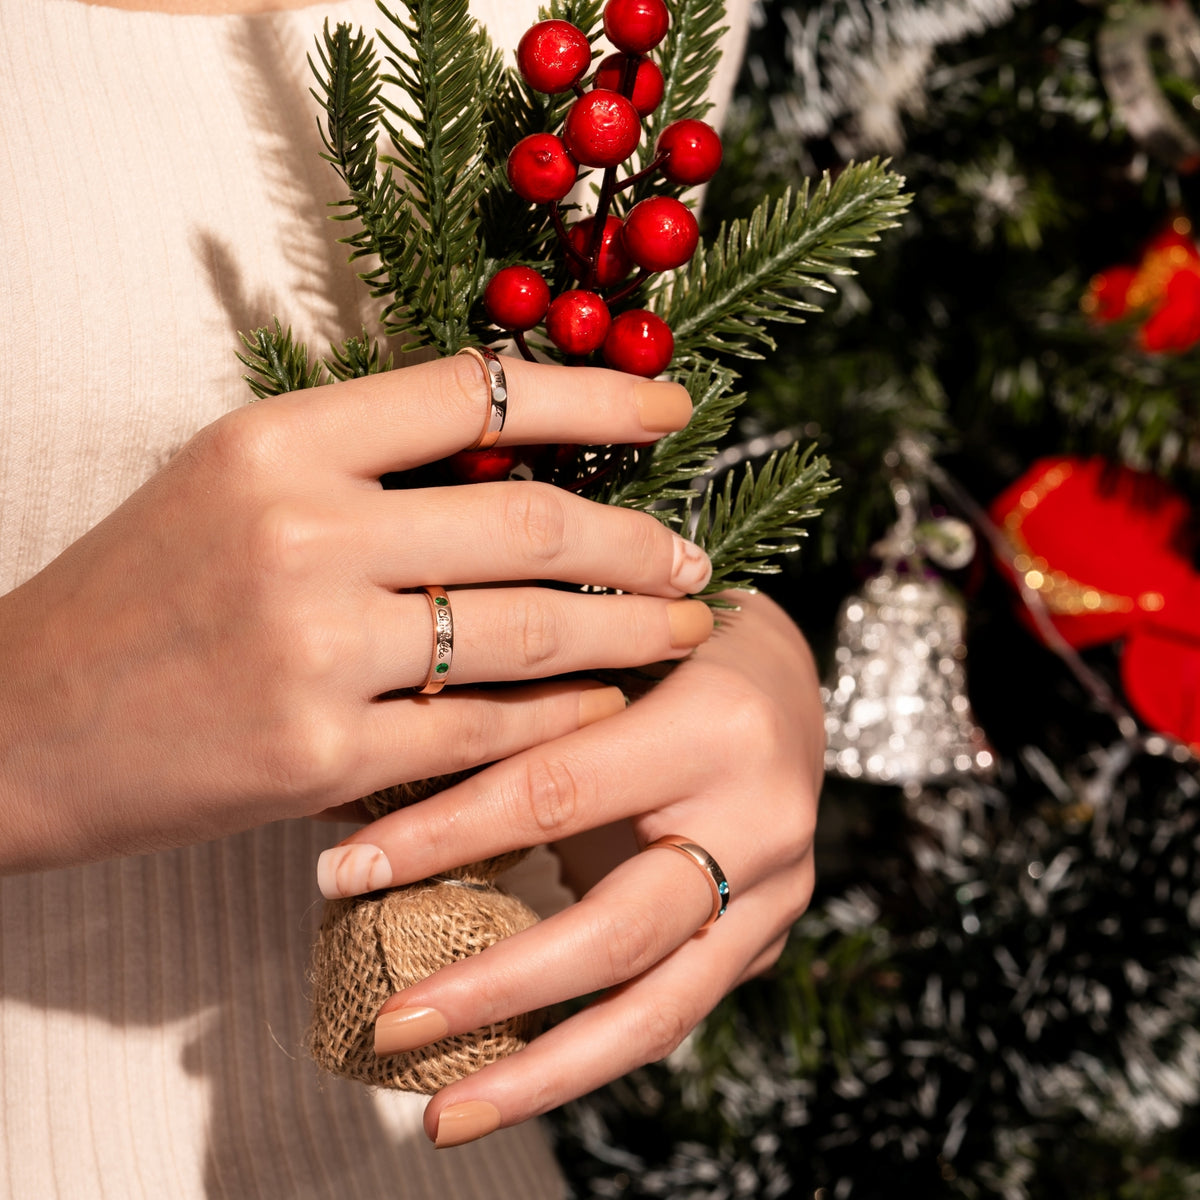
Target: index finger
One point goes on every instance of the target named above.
(403, 418)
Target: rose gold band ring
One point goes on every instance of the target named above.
(705, 861)
(443, 641)
(497, 385)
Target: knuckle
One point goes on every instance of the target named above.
(244, 443)
(650, 545)
(470, 741)
(664, 1026)
(535, 519)
(630, 938)
(286, 537)
(308, 755)
(538, 635)
(466, 389)
(553, 793)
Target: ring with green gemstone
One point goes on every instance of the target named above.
(443, 641)
(705, 861)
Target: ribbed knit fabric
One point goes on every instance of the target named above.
(161, 189)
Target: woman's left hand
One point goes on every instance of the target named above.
(727, 752)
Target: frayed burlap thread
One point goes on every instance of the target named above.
(370, 947)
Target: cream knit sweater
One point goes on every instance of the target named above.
(160, 189)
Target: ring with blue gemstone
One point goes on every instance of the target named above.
(705, 861)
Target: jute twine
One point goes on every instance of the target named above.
(373, 946)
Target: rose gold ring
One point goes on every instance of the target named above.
(493, 373)
(443, 641)
(705, 861)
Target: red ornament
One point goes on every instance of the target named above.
(1102, 547)
(612, 263)
(660, 233)
(602, 129)
(552, 56)
(636, 26)
(540, 169)
(1164, 288)
(516, 298)
(1175, 325)
(577, 322)
(640, 343)
(692, 151)
(648, 83)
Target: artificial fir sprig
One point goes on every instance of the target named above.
(745, 525)
(433, 242)
(751, 273)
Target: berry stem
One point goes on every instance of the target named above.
(650, 167)
(628, 288)
(523, 346)
(609, 187)
(564, 240)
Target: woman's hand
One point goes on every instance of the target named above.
(213, 655)
(727, 751)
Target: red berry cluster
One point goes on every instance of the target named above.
(602, 129)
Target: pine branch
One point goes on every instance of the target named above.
(747, 277)
(447, 80)
(744, 527)
(278, 363)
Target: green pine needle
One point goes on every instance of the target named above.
(750, 274)
(278, 363)
(752, 520)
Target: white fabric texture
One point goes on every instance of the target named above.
(161, 189)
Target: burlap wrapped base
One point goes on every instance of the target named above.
(372, 946)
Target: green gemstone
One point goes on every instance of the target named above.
(442, 668)
(440, 600)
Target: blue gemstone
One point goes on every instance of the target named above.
(723, 889)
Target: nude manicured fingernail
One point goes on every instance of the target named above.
(662, 407)
(408, 1028)
(597, 703)
(690, 622)
(465, 1122)
(692, 570)
(352, 870)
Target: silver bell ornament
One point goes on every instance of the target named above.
(896, 707)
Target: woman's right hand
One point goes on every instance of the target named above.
(217, 653)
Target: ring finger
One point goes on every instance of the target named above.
(502, 634)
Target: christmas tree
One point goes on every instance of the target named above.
(997, 990)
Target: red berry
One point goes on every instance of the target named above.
(636, 26)
(692, 149)
(540, 169)
(648, 85)
(612, 263)
(577, 321)
(516, 297)
(660, 233)
(484, 466)
(553, 55)
(639, 342)
(602, 129)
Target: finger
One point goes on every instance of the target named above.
(593, 778)
(503, 634)
(639, 1022)
(487, 532)
(399, 419)
(460, 729)
(629, 922)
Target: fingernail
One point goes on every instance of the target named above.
(597, 703)
(692, 569)
(465, 1122)
(662, 407)
(408, 1028)
(352, 870)
(690, 622)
